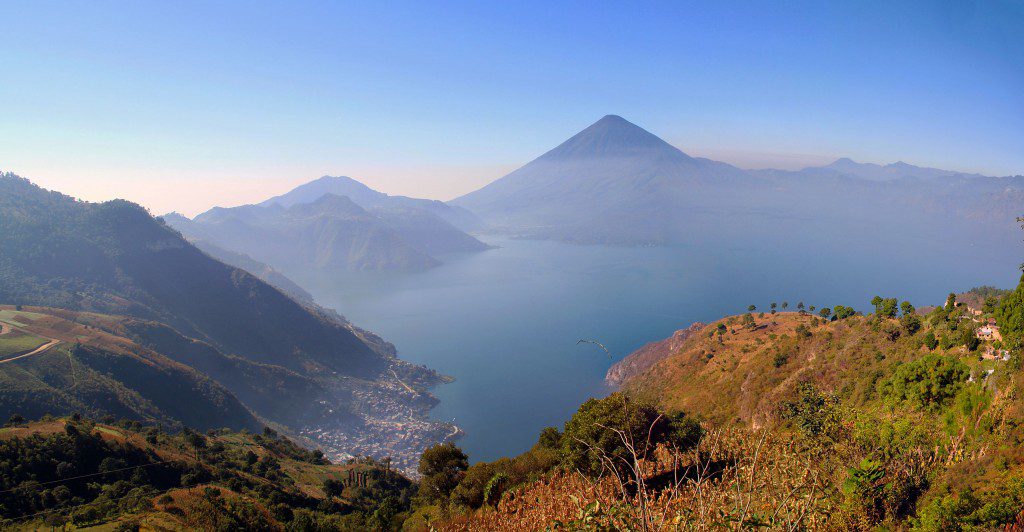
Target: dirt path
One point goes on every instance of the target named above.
(52, 342)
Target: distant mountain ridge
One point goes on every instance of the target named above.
(616, 183)
(336, 224)
(370, 199)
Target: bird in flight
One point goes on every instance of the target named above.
(595, 342)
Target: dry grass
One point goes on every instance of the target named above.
(734, 479)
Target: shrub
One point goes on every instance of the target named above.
(928, 382)
(812, 412)
(593, 439)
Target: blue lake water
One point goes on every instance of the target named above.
(505, 322)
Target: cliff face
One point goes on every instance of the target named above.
(647, 356)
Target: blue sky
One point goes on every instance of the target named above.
(182, 105)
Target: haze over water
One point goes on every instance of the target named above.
(505, 322)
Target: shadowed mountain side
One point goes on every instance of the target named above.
(332, 233)
(114, 257)
(97, 373)
(264, 271)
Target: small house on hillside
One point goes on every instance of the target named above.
(988, 332)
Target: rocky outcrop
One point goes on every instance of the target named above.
(642, 359)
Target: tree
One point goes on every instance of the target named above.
(885, 307)
(927, 382)
(604, 434)
(951, 301)
(811, 308)
(911, 323)
(442, 468)
(15, 420)
(930, 341)
(773, 306)
(842, 312)
(969, 339)
(194, 440)
(333, 487)
(748, 321)
(751, 308)
(785, 305)
(550, 438)
(907, 308)
(825, 312)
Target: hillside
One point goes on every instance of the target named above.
(641, 360)
(114, 258)
(132, 477)
(830, 420)
(244, 262)
(96, 373)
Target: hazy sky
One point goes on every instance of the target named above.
(181, 105)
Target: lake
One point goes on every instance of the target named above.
(505, 322)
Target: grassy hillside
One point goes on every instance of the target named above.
(127, 476)
(97, 373)
(892, 420)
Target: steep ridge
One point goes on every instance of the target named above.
(115, 258)
(242, 261)
(642, 359)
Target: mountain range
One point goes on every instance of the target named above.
(336, 224)
(163, 303)
(616, 183)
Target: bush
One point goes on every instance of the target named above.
(593, 440)
(928, 382)
(812, 412)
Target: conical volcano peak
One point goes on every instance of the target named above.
(612, 136)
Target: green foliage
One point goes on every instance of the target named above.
(597, 438)
(928, 382)
(442, 467)
(825, 312)
(930, 341)
(842, 312)
(1010, 315)
(863, 488)
(969, 510)
(813, 413)
(911, 323)
(885, 307)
